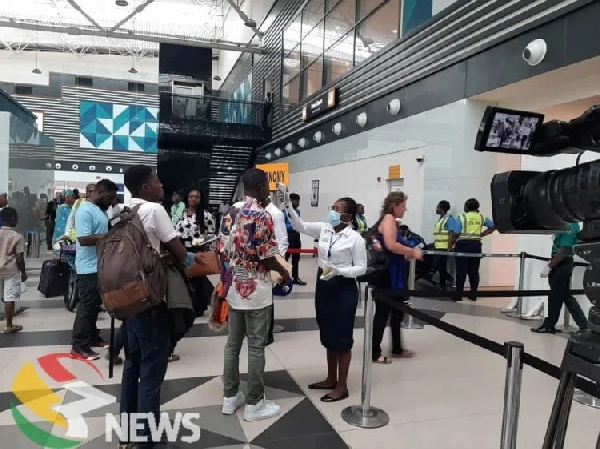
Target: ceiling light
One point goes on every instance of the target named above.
(217, 78)
(132, 70)
(250, 23)
(122, 3)
(36, 71)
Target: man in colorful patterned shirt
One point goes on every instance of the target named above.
(247, 251)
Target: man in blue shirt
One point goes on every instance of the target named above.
(559, 271)
(91, 224)
(466, 234)
(294, 241)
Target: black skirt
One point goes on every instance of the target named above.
(336, 301)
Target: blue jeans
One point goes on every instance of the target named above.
(146, 353)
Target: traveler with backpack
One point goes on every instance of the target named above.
(393, 279)
(91, 223)
(342, 258)
(148, 331)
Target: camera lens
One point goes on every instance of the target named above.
(526, 54)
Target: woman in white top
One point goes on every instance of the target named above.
(342, 258)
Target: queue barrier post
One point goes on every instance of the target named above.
(512, 394)
(409, 322)
(364, 415)
(521, 284)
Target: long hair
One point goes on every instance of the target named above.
(392, 200)
(351, 208)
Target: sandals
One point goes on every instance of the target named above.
(13, 330)
(321, 386)
(328, 398)
(383, 360)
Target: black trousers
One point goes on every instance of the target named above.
(294, 243)
(383, 312)
(468, 266)
(85, 331)
(440, 264)
(49, 234)
(560, 287)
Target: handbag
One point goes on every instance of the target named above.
(206, 264)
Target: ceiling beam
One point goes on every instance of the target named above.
(89, 18)
(130, 36)
(131, 15)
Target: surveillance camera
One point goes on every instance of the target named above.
(535, 52)
(421, 158)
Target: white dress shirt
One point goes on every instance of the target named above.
(344, 250)
(281, 234)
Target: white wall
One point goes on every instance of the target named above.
(452, 171)
(16, 67)
(439, 5)
(4, 139)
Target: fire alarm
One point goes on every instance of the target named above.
(379, 179)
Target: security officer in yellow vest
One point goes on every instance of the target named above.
(441, 238)
(466, 234)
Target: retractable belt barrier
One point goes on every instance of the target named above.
(395, 301)
(302, 250)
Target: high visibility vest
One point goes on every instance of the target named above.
(440, 234)
(472, 225)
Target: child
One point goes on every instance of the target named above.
(12, 262)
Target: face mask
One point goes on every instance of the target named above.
(335, 218)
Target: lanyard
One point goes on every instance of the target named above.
(331, 243)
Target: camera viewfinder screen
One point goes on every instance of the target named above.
(512, 131)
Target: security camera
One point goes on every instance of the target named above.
(421, 158)
(535, 52)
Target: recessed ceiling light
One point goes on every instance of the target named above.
(122, 3)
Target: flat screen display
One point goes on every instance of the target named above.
(507, 131)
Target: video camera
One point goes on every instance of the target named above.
(529, 202)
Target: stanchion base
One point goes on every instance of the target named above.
(586, 399)
(411, 326)
(371, 418)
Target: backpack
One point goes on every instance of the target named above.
(131, 275)
(377, 257)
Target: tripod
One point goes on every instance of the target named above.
(582, 358)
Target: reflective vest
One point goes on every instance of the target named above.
(472, 225)
(440, 234)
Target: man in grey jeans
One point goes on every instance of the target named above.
(247, 251)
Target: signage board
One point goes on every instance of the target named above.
(321, 104)
(276, 172)
(394, 172)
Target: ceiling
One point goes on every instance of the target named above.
(113, 26)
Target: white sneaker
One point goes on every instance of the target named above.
(262, 410)
(230, 405)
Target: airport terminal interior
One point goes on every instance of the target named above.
(332, 99)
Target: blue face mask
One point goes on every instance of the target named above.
(335, 218)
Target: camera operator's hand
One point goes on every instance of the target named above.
(545, 272)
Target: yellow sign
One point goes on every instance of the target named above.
(277, 172)
(394, 172)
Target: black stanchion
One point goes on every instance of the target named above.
(512, 394)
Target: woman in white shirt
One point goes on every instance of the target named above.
(342, 258)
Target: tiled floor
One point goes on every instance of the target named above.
(449, 396)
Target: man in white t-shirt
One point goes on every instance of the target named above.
(247, 250)
(149, 333)
(281, 236)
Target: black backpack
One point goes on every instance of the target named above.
(377, 257)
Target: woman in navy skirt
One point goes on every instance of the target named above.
(342, 258)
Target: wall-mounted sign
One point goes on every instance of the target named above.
(314, 198)
(321, 104)
(394, 172)
(277, 172)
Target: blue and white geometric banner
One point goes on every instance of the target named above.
(110, 126)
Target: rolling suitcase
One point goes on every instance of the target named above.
(54, 278)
